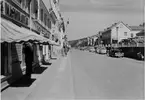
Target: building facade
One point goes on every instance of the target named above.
(14, 15)
(36, 22)
(135, 30)
(115, 33)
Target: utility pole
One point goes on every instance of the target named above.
(117, 34)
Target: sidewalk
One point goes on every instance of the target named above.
(56, 83)
(23, 87)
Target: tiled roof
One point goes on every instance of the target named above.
(113, 25)
(136, 28)
(141, 33)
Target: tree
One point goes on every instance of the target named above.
(143, 24)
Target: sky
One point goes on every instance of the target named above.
(88, 17)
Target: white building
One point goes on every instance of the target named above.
(117, 32)
(135, 30)
(120, 31)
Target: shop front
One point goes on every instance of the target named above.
(12, 41)
(44, 53)
(12, 18)
(15, 31)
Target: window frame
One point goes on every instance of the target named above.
(125, 33)
(132, 35)
(41, 12)
(45, 19)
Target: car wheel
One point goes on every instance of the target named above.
(108, 54)
(138, 56)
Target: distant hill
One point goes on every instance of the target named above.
(78, 43)
(73, 43)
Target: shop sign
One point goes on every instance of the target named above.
(40, 29)
(15, 14)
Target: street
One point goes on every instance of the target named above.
(99, 76)
(85, 75)
(72, 49)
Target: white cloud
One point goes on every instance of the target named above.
(116, 2)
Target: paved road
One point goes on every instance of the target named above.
(85, 75)
(99, 76)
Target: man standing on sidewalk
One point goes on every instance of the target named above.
(28, 51)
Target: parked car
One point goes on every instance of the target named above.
(103, 50)
(97, 50)
(140, 56)
(81, 48)
(115, 52)
(92, 49)
(135, 55)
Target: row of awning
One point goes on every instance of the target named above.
(13, 33)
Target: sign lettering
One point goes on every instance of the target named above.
(15, 14)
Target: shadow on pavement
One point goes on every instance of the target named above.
(39, 70)
(134, 59)
(23, 82)
(53, 58)
(47, 63)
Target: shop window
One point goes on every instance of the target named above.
(17, 55)
(5, 70)
(49, 23)
(42, 15)
(23, 57)
(1, 6)
(35, 54)
(7, 9)
(45, 17)
(35, 8)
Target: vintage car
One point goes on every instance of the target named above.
(102, 50)
(135, 55)
(91, 49)
(97, 50)
(115, 52)
(140, 56)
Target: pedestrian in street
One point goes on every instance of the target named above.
(28, 51)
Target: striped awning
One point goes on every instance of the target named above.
(13, 33)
